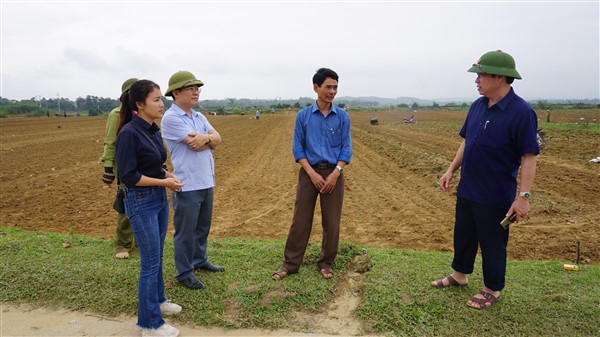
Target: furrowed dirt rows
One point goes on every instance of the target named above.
(50, 181)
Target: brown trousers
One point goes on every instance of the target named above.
(331, 210)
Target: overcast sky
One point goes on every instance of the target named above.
(271, 49)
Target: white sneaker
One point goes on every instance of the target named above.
(169, 308)
(165, 330)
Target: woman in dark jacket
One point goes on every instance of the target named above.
(140, 158)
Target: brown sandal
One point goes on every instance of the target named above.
(280, 274)
(451, 283)
(487, 301)
(327, 273)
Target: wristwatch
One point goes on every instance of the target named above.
(525, 195)
(339, 168)
(209, 139)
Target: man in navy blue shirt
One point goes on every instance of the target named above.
(499, 138)
(322, 146)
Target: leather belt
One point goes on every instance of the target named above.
(323, 165)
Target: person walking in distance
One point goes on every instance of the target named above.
(191, 140)
(499, 139)
(140, 158)
(124, 241)
(322, 145)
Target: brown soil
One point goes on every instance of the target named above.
(50, 180)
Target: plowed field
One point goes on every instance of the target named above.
(50, 180)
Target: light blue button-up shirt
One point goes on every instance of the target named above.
(322, 139)
(194, 168)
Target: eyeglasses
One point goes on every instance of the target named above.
(192, 89)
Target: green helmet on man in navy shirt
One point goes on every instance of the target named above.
(496, 63)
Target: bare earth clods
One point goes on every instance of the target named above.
(50, 180)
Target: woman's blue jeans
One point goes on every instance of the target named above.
(148, 211)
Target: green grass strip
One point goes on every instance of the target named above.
(540, 297)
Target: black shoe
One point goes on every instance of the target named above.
(193, 283)
(211, 267)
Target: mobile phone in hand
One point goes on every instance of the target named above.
(508, 220)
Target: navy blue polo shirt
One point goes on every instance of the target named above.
(495, 140)
(140, 151)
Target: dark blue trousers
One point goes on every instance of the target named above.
(479, 225)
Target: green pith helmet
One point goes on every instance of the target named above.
(182, 79)
(496, 63)
(127, 84)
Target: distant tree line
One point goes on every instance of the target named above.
(39, 106)
(545, 105)
(94, 105)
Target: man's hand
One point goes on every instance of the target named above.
(521, 207)
(330, 182)
(197, 141)
(108, 176)
(445, 181)
(316, 179)
(173, 183)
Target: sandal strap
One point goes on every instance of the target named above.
(485, 302)
(488, 296)
(281, 273)
(451, 282)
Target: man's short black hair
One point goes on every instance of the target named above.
(323, 74)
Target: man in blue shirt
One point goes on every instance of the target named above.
(190, 139)
(499, 138)
(322, 145)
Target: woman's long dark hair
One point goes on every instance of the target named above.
(139, 91)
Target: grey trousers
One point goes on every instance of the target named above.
(192, 220)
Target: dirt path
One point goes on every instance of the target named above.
(24, 320)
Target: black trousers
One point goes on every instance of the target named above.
(479, 225)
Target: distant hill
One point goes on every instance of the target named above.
(383, 101)
(372, 101)
(365, 101)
